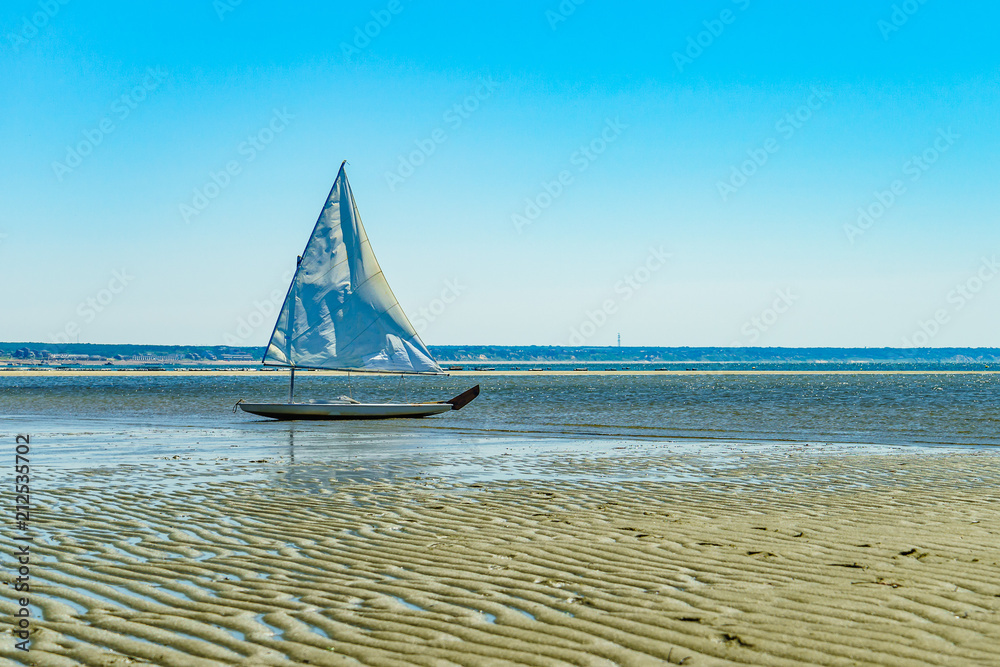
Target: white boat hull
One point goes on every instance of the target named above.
(348, 408)
(344, 410)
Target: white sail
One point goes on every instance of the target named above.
(339, 312)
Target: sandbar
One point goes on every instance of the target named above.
(776, 556)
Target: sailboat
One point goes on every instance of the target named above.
(339, 314)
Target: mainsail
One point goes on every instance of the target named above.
(339, 312)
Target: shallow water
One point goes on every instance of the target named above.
(525, 428)
(885, 408)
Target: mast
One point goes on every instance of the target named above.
(291, 315)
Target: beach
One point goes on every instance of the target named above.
(762, 520)
(630, 553)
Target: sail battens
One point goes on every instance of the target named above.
(336, 314)
(350, 370)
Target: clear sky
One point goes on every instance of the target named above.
(682, 173)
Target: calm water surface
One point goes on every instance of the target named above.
(672, 428)
(889, 409)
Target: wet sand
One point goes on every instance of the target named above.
(633, 555)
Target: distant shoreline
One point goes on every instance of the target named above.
(488, 355)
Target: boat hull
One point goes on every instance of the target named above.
(344, 410)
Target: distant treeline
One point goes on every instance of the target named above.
(499, 353)
(111, 351)
(483, 353)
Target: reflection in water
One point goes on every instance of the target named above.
(95, 422)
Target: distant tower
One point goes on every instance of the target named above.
(619, 339)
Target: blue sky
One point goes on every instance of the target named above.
(681, 173)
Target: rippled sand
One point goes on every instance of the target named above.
(789, 555)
